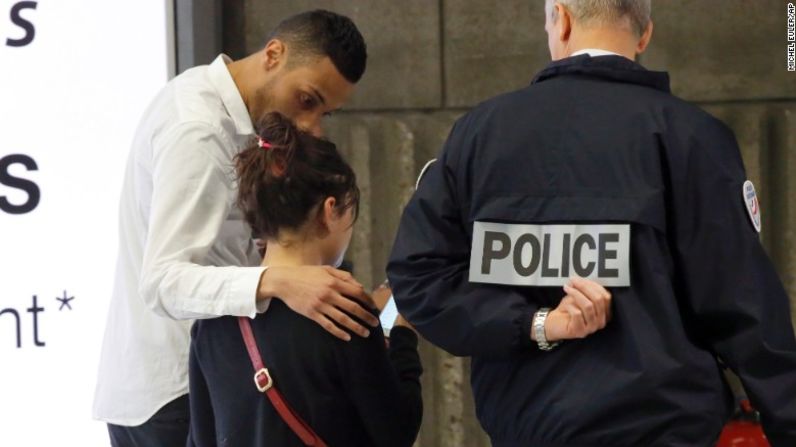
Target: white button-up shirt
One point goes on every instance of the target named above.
(184, 247)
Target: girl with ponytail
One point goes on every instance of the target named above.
(300, 196)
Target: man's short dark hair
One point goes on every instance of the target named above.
(324, 33)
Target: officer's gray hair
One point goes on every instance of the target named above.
(607, 11)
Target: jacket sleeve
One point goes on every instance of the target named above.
(192, 195)
(429, 266)
(385, 390)
(737, 304)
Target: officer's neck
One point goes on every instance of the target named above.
(608, 39)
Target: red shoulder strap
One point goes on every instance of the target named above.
(264, 383)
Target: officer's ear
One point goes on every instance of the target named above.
(564, 22)
(645, 39)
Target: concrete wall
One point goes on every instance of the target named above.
(430, 60)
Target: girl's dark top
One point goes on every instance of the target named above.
(357, 393)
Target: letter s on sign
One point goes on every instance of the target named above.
(26, 185)
(18, 20)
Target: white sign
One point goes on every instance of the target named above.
(548, 255)
(76, 78)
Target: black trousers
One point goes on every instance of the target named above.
(167, 428)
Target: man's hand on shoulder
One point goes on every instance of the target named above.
(320, 294)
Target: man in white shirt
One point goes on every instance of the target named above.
(185, 250)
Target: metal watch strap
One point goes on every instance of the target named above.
(539, 319)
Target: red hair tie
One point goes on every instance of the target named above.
(263, 144)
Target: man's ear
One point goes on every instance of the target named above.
(273, 54)
(565, 19)
(645, 39)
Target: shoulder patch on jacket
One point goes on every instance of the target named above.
(752, 204)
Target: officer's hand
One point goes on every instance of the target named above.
(316, 292)
(585, 310)
(401, 321)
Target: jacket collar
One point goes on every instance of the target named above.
(612, 68)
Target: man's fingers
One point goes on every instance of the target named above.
(330, 327)
(589, 310)
(342, 275)
(589, 288)
(312, 291)
(595, 292)
(352, 289)
(577, 324)
(353, 308)
(347, 285)
(342, 319)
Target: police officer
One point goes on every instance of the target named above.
(596, 169)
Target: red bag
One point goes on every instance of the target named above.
(744, 430)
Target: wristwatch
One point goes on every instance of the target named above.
(539, 319)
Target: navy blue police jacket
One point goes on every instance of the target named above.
(601, 141)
